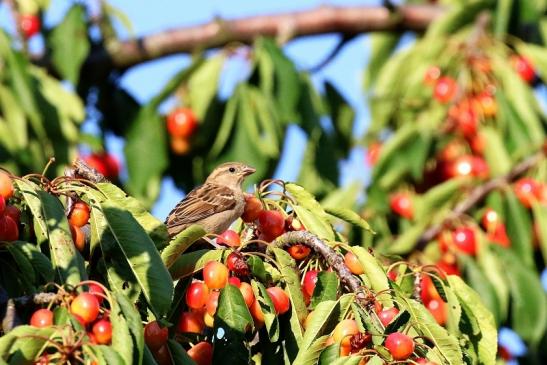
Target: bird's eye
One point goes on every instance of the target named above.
(232, 169)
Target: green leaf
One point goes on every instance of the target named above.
(342, 116)
(382, 47)
(406, 241)
(203, 84)
(28, 275)
(496, 155)
(257, 268)
(180, 244)
(438, 196)
(495, 274)
(178, 354)
(129, 315)
(70, 44)
(191, 262)
(268, 309)
(121, 337)
(142, 256)
(105, 354)
(39, 261)
(540, 217)
(24, 343)
(350, 216)
(502, 18)
(519, 228)
(314, 223)
(375, 274)
(486, 341)
(326, 288)
(312, 353)
(226, 126)
(14, 118)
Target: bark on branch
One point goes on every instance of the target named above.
(347, 21)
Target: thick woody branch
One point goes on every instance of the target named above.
(333, 259)
(478, 194)
(347, 21)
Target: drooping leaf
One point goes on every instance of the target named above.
(350, 216)
(180, 243)
(374, 272)
(326, 288)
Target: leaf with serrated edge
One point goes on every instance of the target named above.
(180, 243)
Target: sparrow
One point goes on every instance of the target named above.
(216, 204)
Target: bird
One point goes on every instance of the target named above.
(216, 204)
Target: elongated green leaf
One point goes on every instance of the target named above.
(312, 353)
(437, 197)
(38, 259)
(313, 223)
(383, 44)
(540, 217)
(351, 217)
(142, 256)
(121, 337)
(495, 273)
(203, 84)
(181, 243)
(27, 273)
(375, 273)
(105, 354)
(24, 343)
(519, 228)
(132, 322)
(486, 341)
(496, 154)
(70, 44)
(326, 288)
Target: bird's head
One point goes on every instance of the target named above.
(230, 174)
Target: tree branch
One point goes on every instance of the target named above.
(478, 193)
(347, 21)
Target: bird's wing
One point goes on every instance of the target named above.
(200, 203)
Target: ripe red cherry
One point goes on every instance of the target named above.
(271, 224)
(104, 163)
(480, 167)
(9, 231)
(467, 119)
(401, 204)
(30, 25)
(299, 252)
(201, 353)
(526, 189)
(163, 356)
(448, 268)
(6, 185)
(431, 76)
(42, 318)
(387, 315)
(215, 275)
(256, 313)
(191, 322)
(477, 143)
(182, 122)
(499, 236)
(464, 240)
(428, 291)
(2, 205)
(438, 309)
(79, 216)
(247, 291)
(462, 166)
(445, 89)
(233, 280)
(229, 238)
(523, 67)
(373, 153)
(212, 302)
(253, 207)
(232, 259)
(196, 295)
(155, 336)
(279, 298)
(96, 290)
(13, 212)
(344, 330)
(86, 306)
(102, 329)
(78, 237)
(399, 345)
(353, 263)
(310, 279)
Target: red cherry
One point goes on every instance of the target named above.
(191, 322)
(462, 166)
(499, 236)
(299, 252)
(448, 268)
(30, 25)
(182, 122)
(428, 291)
(353, 263)
(42, 318)
(452, 150)
(490, 219)
(464, 240)
(96, 290)
(215, 275)
(78, 237)
(504, 353)
(201, 353)
(155, 336)
(212, 302)
(399, 345)
(467, 119)
(523, 67)
(163, 356)
(196, 295)
(104, 163)
(13, 212)
(445, 89)
(387, 315)
(9, 231)
(310, 279)
(431, 76)
(401, 204)
(373, 153)
(478, 143)
(96, 162)
(343, 331)
(253, 207)
(229, 238)
(79, 216)
(6, 185)
(43, 360)
(247, 291)
(271, 224)
(438, 309)
(2, 205)
(86, 306)
(480, 167)
(279, 298)
(233, 280)
(112, 165)
(102, 329)
(527, 190)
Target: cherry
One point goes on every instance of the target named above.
(504, 353)
(490, 219)
(9, 231)
(247, 291)
(13, 212)
(79, 216)
(271, 224)
(401, 204)
(445, 89)
(2, 205)
(499, 236)
(163, 356)
(201, 353)
(448, 268)
(487, 104)
(480, 167)
(477, 143)
(196, 295)
(233, 280)
(236, 263)
(344, 330)
(452, 150)
(392, 275)
(253, 207)
(353, 263)
(42, 318)
(399, 345)
(431, 76)
(523, 67)
(464, 240)
(78, 237)
(215, 275)
(30, 25)
(86, 306)
(299, 251)
(208, 320)
(191, 322)
(212, 302)
(229, 238)
(182, 123)
(279, 298)
(102, 329)
(104, 163)
(256, 313)
(387, 315)
(96, 290)
(310, 279)
(6, 185)
(373, 153)
(428, 291)
(155, 336)
(527, 190)
(438, 309)
(467, 119)
(180, 146)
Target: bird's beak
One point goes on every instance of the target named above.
(248, 170)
